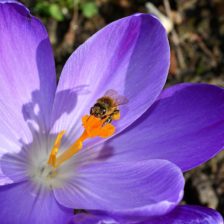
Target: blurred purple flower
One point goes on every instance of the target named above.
(128, 173)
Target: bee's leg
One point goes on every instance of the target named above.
(116, 115)
(90, 112)
(108, 120)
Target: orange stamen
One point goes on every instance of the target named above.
(54, 151)
(93, 127)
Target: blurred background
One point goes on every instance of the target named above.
(196, 34)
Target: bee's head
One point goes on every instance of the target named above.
(97, 110)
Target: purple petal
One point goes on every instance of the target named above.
(189, 214)
(184, 126)
(7, 1)
(130, 55)
(26, 203)
(87, 218)
(27, 76)
(27, 66)
(181, 214)
(146, 188)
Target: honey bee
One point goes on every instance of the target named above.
(106, 107)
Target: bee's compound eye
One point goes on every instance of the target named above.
(104, 111)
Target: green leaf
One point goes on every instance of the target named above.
(89, 9)
(42, 8)
(70, 3)
(56, 12)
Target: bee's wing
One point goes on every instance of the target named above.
(111, 93)
(119, 99)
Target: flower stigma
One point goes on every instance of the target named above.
(93, 127)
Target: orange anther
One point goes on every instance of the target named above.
(94, 127)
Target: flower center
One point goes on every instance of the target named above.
(46, 175)
(93, 127)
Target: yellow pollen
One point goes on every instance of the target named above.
(93, 127)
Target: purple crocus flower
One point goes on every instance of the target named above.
(134, 172)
